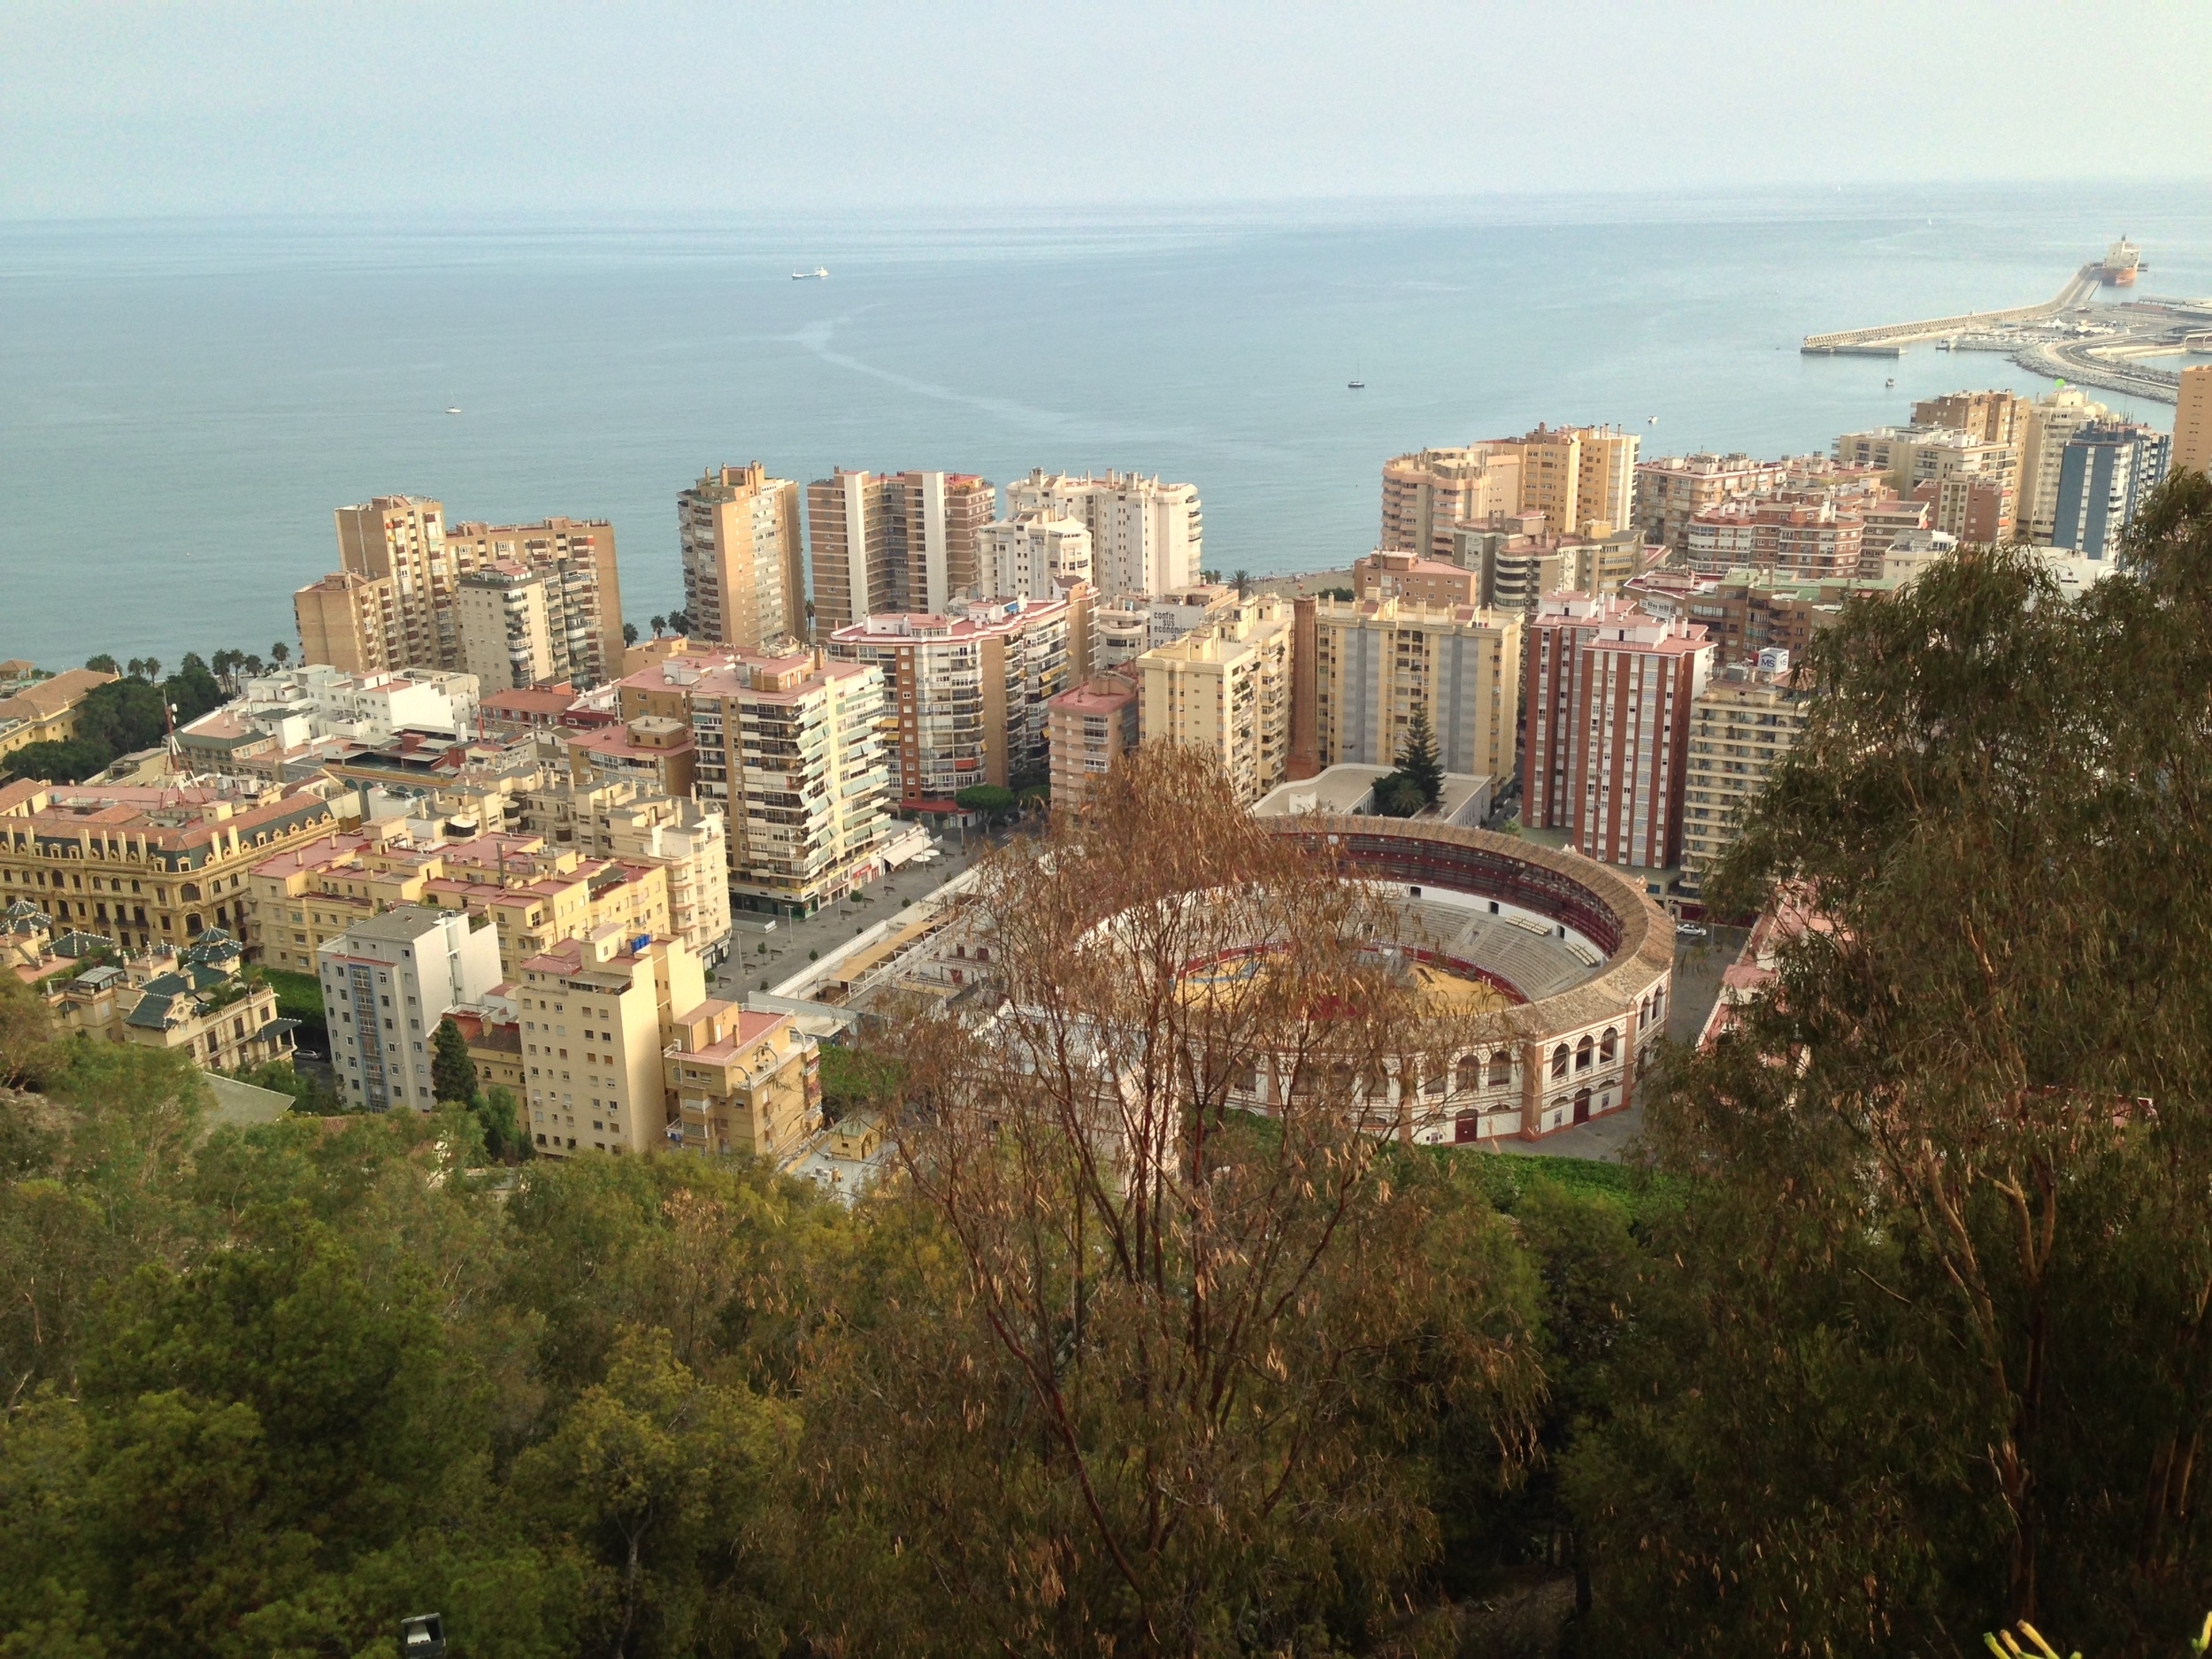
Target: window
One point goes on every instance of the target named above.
(1559, 1061)
(1469, 1077)
(1582, 1055)
(1607, 1045)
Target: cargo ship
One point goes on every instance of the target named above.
(2121, 261)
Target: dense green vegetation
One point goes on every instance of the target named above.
(1902, 1334)
(118, 718)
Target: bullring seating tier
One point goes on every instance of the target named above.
(1536, 964)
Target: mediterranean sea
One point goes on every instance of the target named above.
(183, 403)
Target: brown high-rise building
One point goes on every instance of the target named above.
(1608, 696)
(583, 587)
(2192, 420)
(744, 566)
(1582, 480)
(895, 542)
(1992, 416)
(401, 538)
(351, 622)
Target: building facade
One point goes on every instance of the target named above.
(1416, 580)
(1226, 688)
(583, 584)
(1609, 694)
(688, 838)
(504, 626)
(744, 565)
(791, 750)
(400, 540)
(597, 1016)
(387, 982)
(1748, 716)
(350, 622)
(964, 694)
(1088, 728)
(895, 541)
(1671, 491)
(1377, 661)
(2192, 420)
(1035, 559)
(1146, 537)
(741, 1082)
(149, 866)
(2108, 471)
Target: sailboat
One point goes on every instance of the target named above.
(808, 276)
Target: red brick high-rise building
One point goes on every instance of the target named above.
(1606, 701)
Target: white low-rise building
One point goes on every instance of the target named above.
(387, 982)
(367, 709)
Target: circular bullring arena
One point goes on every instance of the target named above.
(1574, 959)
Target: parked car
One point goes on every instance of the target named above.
(1689, 930)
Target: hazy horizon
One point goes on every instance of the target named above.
(253, 109)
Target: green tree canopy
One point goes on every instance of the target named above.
(452, 1074)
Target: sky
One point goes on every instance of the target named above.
(116, 108)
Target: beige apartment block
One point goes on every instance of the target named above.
(596, 1017)
(1516, 561)
(790, 749)
(401, 538)
(744, 565)
(2050, 423)
(1416, 580)
(1913, 456)
(1146, 537)
(1673, 489)
(1088, 728)
(504, 628)
(1424, 494)
(741, 1082)
(1035, 559)
(1582, 478)
(1741, 726)
(1992, 417)
(2192, 423)
(583, 584)
(1379, 661)
(965, 692)
(1226, 689)
(531, 893)
(351, 622)
(689, 839)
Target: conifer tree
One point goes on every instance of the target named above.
(1417, 762)
(452, 1074)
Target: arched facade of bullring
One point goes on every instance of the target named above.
(1581, 954)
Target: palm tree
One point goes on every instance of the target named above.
(280, 653)
(153, 669)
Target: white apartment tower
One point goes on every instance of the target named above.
(387, 983)
(1036, 559)
(1146, 537)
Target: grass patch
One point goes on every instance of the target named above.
(299, 996)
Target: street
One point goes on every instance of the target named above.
(758, 959)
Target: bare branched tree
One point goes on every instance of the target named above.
(1166, 1160)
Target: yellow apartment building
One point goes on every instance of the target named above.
(742, 1082)
(595, 1018)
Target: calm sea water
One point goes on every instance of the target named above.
(182, 404)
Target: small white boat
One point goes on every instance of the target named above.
(453, 409)
(810, 276)
(1355, 385)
